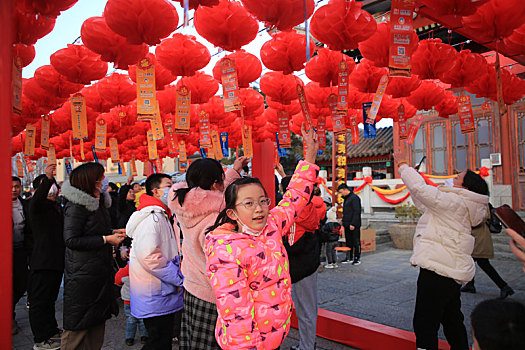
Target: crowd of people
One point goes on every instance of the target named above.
(206, 263)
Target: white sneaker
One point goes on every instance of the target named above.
(47, 345)
(334, 266)
(329, 266)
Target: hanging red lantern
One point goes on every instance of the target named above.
(25, 52)
(79, 64)
(141, 21)
(281, 88)
(410, 111)
(401, 86)
(194, 4)
(432, 59)
(365, 78)
(293, 108)
(324, 67)
(111, 47)
(377, 47)
(31, 111)
(281, 14)
(465, 70)
(215, 108)
(453, 7)
(182, 54)
(29, 27)
(201, 85)
(317, 95)
(516, 41)
(167, 99)
(252, 103)
(496, 19)
(39, 96)
(448, 106)
(513, 87)
(93, 99)
(54, 83)
(248, 68)
(342, 24)
(286, 52)
(48, 8)
(162, 75)
(388, 107)
(227, 25)
(426, 96)
(117, 89)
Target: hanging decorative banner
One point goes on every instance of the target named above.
(354, 129)
(29, 147)
(342, 86)
(133, 166)
(304, 107)
(338, 117)
(152, 146)
(93, 150)
(78, 117)
(321, 133)
(499, 87)
(217, 150)
(202, 150)
(339, 166)
(230, 86)
(100, 135)
(401, 28)
(19, 167)
(17, 85)
(158, 165)
(156, 125)
(247, 143)
(204, 127)
(466, 117)
(113, 150)
(486, 106)
(69, 167)
(369, 130)
(402, 122)
(182, 152)
(119, 168)
(70, 146)
(182, 116)
(171, 137)
(284, 137)
(44, 132)
(376, 103)
(82, 154)
(414, 127)
(51, 155)
(29, 164)
(211, 153)
(276, 159)
(281, 152)
(224, 144)
(146, 96)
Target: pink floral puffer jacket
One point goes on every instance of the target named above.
(250, 274)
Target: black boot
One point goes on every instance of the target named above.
(505, 292)
(469, 288)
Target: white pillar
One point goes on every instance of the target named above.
(488, 164)
(366, 202)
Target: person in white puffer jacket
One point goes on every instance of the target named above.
(443, 246)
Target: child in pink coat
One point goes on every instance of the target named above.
(247, 262)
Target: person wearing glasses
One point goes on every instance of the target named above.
(155, 278)
(246, 260)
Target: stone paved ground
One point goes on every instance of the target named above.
(381, 289)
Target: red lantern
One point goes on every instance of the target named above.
(194, 4)
(365, 78)
(167, 99)
(324, 67)
(182, 54)
(54, 83)
(496, 19)
(377, 47)
(318, 96)
(227, 25)
(93, 99)
(286, 52)
(281, 14)
(117, 89)
(401, 86)
(248, 67)
(293, 108)
(79, 64)
(281, 88)
(111, 47)
(432, 59)
(25, 52)
(202, 87)
(29, 27)
(252, 103)
(31, 111)
(342, 24)
(427, 95)
(453, 7)
(48, 8)
(141, 21)
(448, 106)
(40, 96)
(162, 75)
(465, 70)
(388, 107)
(215, 108)
(410, 110)
(516, 41)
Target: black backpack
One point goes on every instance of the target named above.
(493, 222)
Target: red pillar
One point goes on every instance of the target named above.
(506, 155)
(6, 244)
(262, 166)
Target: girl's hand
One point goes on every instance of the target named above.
(311, 142)
(240, 163)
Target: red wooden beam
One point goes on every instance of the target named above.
(363, 334)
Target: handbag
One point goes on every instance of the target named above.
(493, 222)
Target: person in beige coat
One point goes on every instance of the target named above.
(483, 251)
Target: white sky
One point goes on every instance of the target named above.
(68, 24)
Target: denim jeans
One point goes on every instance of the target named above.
(131, 324)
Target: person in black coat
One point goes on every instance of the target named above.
(351, 224)
(47, 260)
(88, 281)
(113, 210)
(126, 207)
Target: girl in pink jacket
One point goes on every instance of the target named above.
(247, 262)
